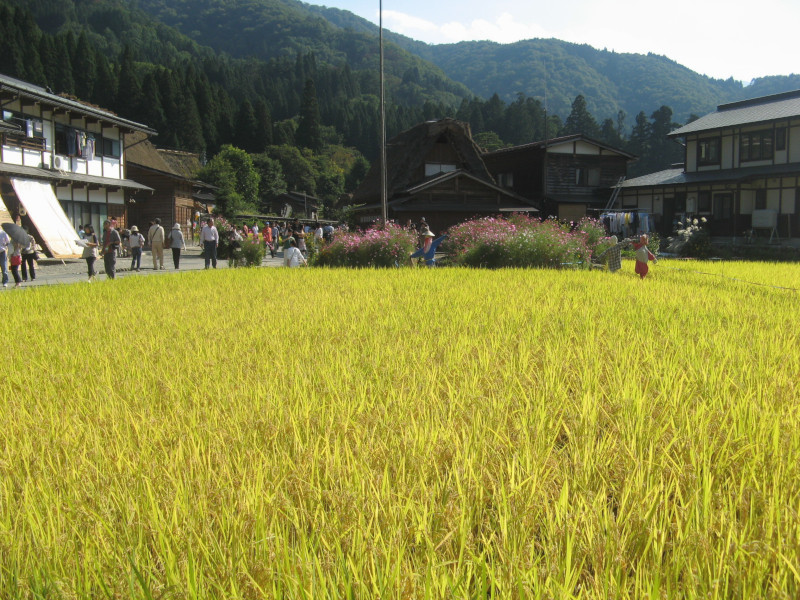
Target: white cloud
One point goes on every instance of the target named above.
(405, 24)
(504, 29)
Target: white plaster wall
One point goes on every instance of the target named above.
(116, 197)
(774, 200)
(12, 155)
(97, 195)
(787, 201)
(794, 144)
(691, 156)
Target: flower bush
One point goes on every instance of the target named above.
(377, 247)
(691, 239)
(522, 241)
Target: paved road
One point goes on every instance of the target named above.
(51, 272)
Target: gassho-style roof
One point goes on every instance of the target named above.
(22, 89)
(746, 112)
(406, 153)
(549, 143)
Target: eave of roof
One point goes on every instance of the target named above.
(59, 177)
(746, 112)
(542, 144)
(39, 94)
(442, 177)
(680, 177)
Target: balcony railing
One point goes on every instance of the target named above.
(22, 141)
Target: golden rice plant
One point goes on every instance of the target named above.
(404, 434)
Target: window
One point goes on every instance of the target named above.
(436, 168)
(756, 145)
(704, 202)
(761, 199)
(708, 151)
(505, 179)
(723, 206)
(109, 148)
(29, 126)
(586, 177)
(780, 138)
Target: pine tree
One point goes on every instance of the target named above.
(580, 120)
(309, 131)
(129, 95)
(263, 132)
(245, 128)
(85, 67)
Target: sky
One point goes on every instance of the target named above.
(717, 38)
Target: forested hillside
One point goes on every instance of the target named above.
(296, 86)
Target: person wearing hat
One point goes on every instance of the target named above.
(136, 242)
(177, 243)
(156, 239)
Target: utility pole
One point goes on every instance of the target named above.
(384, 207)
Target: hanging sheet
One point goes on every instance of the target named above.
(48, 217)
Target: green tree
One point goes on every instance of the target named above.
(309, 132)
(272, 183)
(237, 180)
(580, 120)
(299, 172)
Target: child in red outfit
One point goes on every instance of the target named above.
(642, 256)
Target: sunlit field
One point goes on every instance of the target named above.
(408, 433)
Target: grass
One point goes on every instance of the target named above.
(404, 433)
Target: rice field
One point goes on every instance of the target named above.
(312, 433)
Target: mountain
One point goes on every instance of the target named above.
(559, 71)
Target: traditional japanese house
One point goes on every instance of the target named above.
(62, 165)
(566, 176)
(435, 170)
(741, 171)
(177, 194)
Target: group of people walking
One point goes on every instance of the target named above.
(111, 244)
(21, 255)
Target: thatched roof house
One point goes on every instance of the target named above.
(435, 170)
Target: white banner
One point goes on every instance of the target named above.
(48, 217)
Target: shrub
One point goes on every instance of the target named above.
(691, 239)
(377, 247)
(250, 254)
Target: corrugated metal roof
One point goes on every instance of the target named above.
(757, 110)
(23, 88)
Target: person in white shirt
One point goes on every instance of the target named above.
(292, 257)
(209, 236)
(136, 243)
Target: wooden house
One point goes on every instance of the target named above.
(296, 205)
(741, 171)
(435, 170)
(565, 176)
(62, 164)
(177, 195)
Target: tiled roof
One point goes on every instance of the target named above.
(29, 90)
(57, 176)
(679, 177)
(757, 110)
(558, 141)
